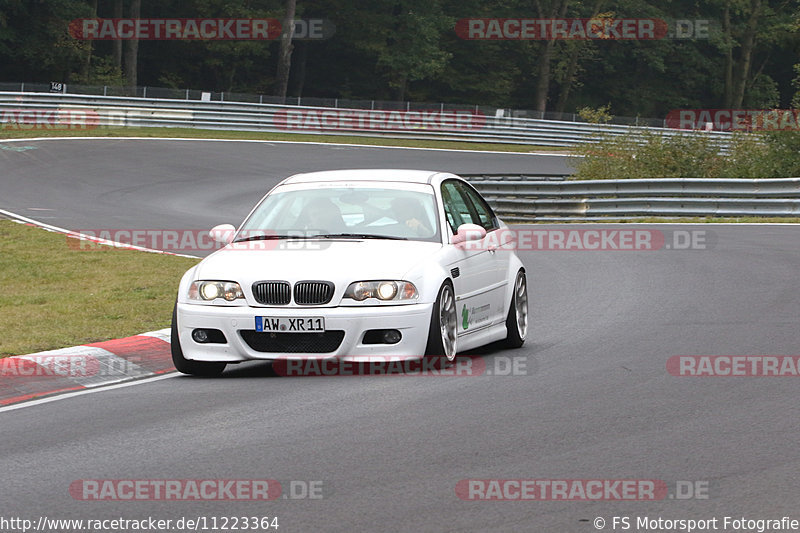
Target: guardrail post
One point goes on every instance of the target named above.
(144, 92)
(105, 90)
(187, 94)
(22, 87)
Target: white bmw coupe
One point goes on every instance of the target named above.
(353, 264)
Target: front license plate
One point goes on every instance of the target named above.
(274, 324)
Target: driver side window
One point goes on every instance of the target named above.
(482, 212)
(455, 208)
(463, 206)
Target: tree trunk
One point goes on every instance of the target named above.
(559, 9)
(726, 32)
(400, 86)
(543, 76)
(569, 77)
(285, 53)
(300, 70)
(746, 59)
(574, 57)
(118, 42)
(87, 68)
(231, 76)
(132, 49)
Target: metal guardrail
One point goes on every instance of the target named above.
(516, 197)
(344, 103)
(520, 198)
(452, 125)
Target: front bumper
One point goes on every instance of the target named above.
(413, 322)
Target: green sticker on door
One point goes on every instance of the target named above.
(471, 316)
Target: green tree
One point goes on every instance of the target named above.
(750, 31)
(400, 40)
(35, 44)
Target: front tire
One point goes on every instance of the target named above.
(187, 366)
(517, 319)
(443, 332)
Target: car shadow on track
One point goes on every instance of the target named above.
(492, 359)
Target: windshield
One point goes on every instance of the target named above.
(346, 212)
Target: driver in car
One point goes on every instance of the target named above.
(324, 216)
(413, 214)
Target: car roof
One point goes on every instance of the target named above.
(366, 174)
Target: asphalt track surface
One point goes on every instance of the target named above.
(188, 185)
(595, 400)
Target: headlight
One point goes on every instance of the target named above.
(382, 290)
(206, 291)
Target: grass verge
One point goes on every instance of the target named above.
(193, 133)
(56, 296)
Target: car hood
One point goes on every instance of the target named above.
(339, 261)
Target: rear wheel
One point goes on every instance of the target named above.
(517, 319)
(187, 366)
(442, 335)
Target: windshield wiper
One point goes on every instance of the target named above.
(270, 237)
(358, 236)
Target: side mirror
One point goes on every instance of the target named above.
(469, 232)
(223, 233)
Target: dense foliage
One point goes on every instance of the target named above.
(409, 49)
(651, 155)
